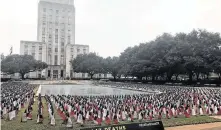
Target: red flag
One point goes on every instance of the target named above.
(159, 116)
(115, 121)
(219, 112)
(107, 121)
(63, 116)
(187, 115)
(72, 113)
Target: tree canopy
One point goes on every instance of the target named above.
(194, 55)
(87, 63)
(21, 64)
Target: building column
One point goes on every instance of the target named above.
(51, 74)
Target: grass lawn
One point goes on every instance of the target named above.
(189, 121)
(16, 124)
(32, 125)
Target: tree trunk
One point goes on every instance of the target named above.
(169, 76)
(22, 75)
(139, 77)
(197, 76)
(177, 77)
(91, 75)
(114, 77)
(207, 76)
(190, 77)
(153, 78)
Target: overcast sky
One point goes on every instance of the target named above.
(110, 26)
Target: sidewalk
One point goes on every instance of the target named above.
(207, 126)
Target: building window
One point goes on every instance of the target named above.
(62, 73)
(78, 50)
(56, 35)
(56, 49)
(57, 11)
(72, 49)
(44, 19)
(33, 54)
(50, 17)
(55, 60)
(56, 38)
(69, 20)
(50, 30)
(84, 51)
(62, 43)
(69, 31)
(62, 39)
(33, 48)
(57, 18)
(26, 52)
(40, 48)
(49, 73)
(43, 39)
(44, 9)
(62, 59)
(49, 49)
(43, 31)
(69, 39)
(49, 36)
(40, 56)
(49, 59)
(26, 46)
(62, 50)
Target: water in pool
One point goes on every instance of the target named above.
(84, 90)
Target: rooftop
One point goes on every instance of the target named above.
(69, 2)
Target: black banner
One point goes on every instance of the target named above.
(152, 125)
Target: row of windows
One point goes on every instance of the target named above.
(56, 59)
(56, 30)
(57, 11)
(33, 54)
(56, 23)
(33, 47)
(57, 18)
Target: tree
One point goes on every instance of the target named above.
(216, 65)
(111, 65)
(21, 64)
(195, 54)
(87, 63)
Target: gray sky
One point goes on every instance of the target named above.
(110, 26)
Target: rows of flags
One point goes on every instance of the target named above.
(27, 115)
(175, 103)
(40, 110)
(172, 102)
(14, 96)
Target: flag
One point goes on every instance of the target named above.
(11, 50)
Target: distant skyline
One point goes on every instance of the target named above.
(110, 26)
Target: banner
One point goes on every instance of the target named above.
(4, 111)
(152, 125)
(12, 115)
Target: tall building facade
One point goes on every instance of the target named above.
(56, 27)
(56, 38)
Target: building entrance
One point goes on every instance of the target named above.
(55, 74)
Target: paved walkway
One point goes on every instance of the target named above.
(208, 126)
